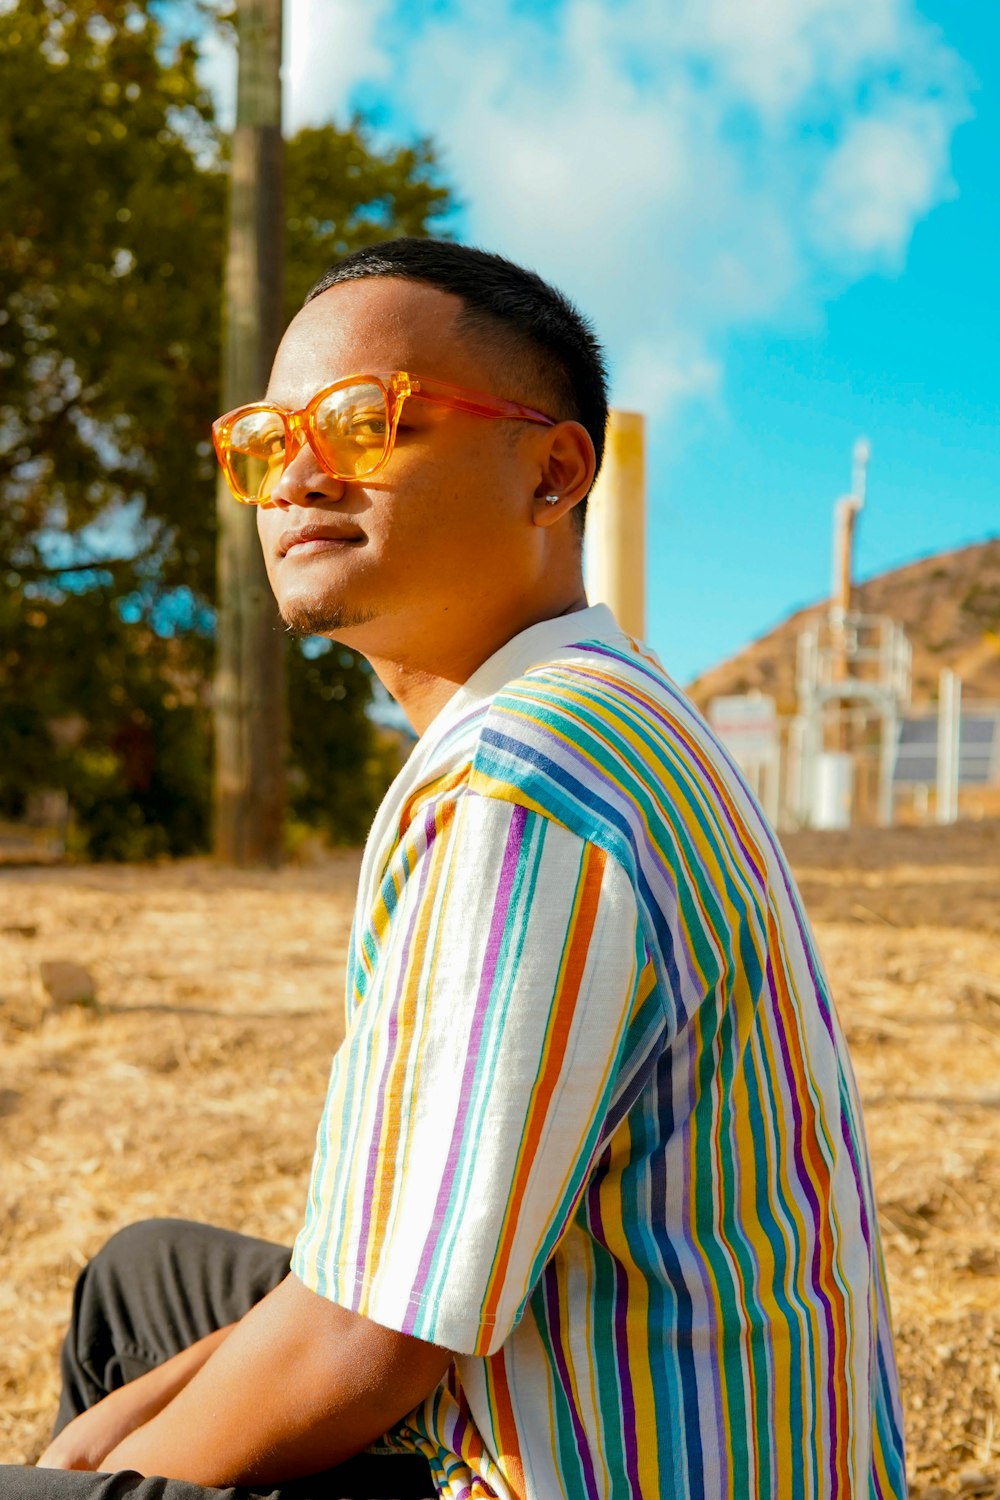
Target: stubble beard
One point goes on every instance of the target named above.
(304, 617)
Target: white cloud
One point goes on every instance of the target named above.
(887, 172)
(773, 53)
(217, 72)
(681, 167)
(331, 46)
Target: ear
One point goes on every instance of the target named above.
(568, 465)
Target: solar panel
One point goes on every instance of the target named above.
(978, 750)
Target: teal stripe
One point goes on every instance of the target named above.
(485, 1079)
(799, 1324)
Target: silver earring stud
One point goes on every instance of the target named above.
(551, 499)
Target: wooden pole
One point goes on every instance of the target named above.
(616, 525)
(249, 689)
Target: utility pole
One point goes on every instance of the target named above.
(249, 689)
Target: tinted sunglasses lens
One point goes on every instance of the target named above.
(351, 428)
(257, 453)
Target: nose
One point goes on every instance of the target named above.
(304, 480)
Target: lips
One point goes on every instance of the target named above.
(325, 531)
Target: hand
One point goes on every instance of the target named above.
(86, 1441)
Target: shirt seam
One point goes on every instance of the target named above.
(523, 801)
(359, 1280)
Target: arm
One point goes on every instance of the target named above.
(299, 1385)
(475, 1080)
(89, 1438)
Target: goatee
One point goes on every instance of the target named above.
(304, 617)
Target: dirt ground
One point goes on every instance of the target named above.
(194, 1084)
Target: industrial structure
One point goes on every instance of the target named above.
(853, 686)
(855, 752)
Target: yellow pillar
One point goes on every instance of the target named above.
(616, 525)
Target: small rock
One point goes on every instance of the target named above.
(67, 983)
(20, 929)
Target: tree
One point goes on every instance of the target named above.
(109, 361)
(249, 700)
(119, 726)
(112, 178)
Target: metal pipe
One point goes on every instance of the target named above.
(615, 551)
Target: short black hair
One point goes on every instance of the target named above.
(527, 321)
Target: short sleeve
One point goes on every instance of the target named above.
(467, 1102)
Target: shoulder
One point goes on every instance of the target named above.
(600, 740)
(604, 727)
(607, 744)
(590, 694)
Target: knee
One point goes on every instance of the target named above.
(146, 1242)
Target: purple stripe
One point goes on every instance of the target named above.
(809, 1193)
(673, 721)
(622, 1362)
(494, 942)
(392, 1029)
(459, 1430)
(689, 752)
(720, 1407)
(550, 1294)
(823, 1007)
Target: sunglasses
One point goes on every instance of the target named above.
(350, 427)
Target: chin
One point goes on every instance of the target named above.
(322, 616)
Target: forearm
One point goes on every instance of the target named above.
(300, 1385)
(163, 1382)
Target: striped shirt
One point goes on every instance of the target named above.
(593, 1125)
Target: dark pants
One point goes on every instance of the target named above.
(155, 1289)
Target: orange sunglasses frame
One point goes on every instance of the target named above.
(397, 386)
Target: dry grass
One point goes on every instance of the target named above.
(194, 1089)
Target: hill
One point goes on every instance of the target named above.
(948, 604)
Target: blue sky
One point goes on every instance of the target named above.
(782, 216)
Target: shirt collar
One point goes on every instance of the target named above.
(543, 642)
(539, 643)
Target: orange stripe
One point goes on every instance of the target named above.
(393, 1128)
(504, 1425)
(560, 1024)
(820, 1177)
(429, 792)
(676, 725)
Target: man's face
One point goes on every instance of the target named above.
(451, 511)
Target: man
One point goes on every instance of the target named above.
(590, 1210)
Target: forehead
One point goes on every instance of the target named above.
(379, 323)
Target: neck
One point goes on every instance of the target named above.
(423, 683)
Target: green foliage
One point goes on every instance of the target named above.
(112, 208)
(342, 194)
(331, 787)
(110, 348)
(112, 713)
